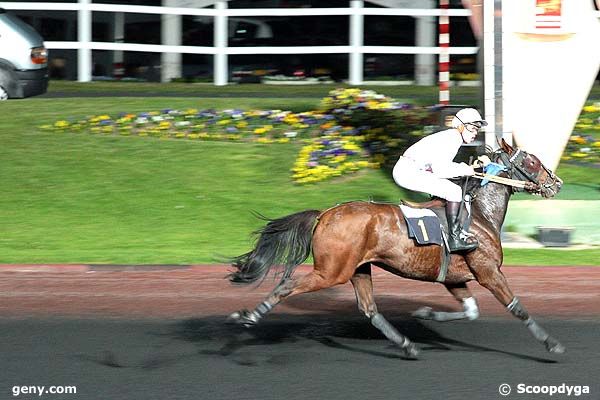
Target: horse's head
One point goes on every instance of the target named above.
(527, 167)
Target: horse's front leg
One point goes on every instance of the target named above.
(496, 283)
(462, 294)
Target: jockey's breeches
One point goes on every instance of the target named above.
(408, 174)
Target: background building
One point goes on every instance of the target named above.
(248, 31)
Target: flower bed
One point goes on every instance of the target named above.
(584, 143)
(352, 130)
(263, 126)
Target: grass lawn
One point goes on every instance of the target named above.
(78, 198)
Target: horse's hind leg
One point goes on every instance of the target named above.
(496, 283)
(251, 318)
(461, 293)
(363, 287)
(291, 286)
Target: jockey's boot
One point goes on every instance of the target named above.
(458, 240)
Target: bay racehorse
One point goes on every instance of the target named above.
(348, 239)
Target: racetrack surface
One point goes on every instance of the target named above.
(159, 333)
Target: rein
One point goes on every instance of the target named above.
(506, 181)
(514, 164)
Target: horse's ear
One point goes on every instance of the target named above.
(505, 146)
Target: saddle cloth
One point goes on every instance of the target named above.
(423, 225)
(426, 228)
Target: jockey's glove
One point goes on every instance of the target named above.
(481, 161)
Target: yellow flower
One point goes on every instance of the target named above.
(259, 131)
(592, 108)
(350, 146)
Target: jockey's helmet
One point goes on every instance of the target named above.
(468, 116)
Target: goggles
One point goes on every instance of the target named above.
(473, 126)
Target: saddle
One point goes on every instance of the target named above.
(427, 225)
(438, 206)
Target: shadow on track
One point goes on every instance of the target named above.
(330, 330)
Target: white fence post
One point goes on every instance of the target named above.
(425, 37)
(221, 33)
(84, 36)
(170, 65)
(355, 66)
(119, 37)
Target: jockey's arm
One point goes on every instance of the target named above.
(451, 169)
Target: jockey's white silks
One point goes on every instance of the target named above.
(427, 165)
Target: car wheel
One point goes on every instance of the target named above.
(3, 94)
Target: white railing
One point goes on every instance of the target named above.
(355, 48)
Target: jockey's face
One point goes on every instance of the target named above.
(468, 132)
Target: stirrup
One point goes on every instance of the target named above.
(459, 244)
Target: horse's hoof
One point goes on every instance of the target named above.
(243, 317)
(554, 346)
(411, 352)
(423, 313)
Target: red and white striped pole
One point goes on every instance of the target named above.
(444, 58)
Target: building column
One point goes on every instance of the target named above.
(356, 41)
(171, 36)
(425, 64)
(84, 37)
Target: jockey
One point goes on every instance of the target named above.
(426, 166)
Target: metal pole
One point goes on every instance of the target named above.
(356, 41)
(84, 36)
(220, 32)
(492, 73)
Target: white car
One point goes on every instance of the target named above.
(23, 59)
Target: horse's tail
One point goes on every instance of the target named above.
(285, 241)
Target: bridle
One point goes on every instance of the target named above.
(515, 164)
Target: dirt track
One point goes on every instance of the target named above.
(165, 337)
(180, 292)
